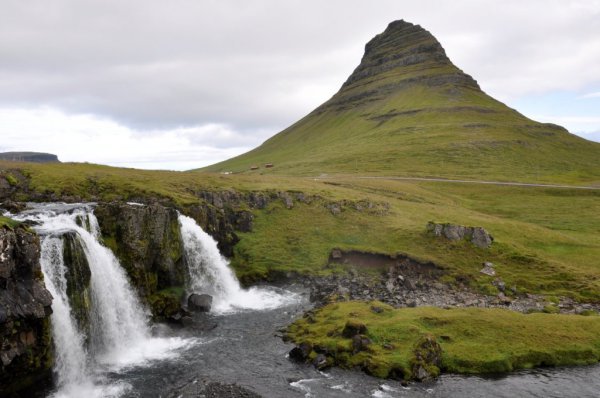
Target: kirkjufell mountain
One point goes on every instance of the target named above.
(407, 110)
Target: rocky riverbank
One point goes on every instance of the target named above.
(411, 284)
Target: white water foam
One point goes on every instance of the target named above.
(302, 386)
(209, 273)
(120, 337)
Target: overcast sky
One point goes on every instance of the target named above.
(185, 83)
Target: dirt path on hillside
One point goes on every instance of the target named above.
(433, 179)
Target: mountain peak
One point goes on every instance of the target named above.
(401, 45)
(403, 55)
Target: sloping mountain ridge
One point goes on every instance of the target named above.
(407, 110)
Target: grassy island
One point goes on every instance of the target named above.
(472, 340)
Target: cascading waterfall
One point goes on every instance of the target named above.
(118, 319)
(71, 365)
(119, 333)
(209, 273)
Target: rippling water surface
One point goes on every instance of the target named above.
(245, 349)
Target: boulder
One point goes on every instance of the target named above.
(488, 269)
(320, 362)
(199, 302)
(481, 238)
(301, 352)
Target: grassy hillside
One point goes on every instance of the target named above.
(407, 110)
(547, 239)
(541, 244)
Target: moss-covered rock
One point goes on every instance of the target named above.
(166, 304)
(427, 359)
(147, 241)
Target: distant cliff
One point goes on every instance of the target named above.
(35, 157)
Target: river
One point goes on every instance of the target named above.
(245, 348)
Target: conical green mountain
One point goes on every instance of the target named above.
(407, 110)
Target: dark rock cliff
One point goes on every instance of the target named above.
(147, 241)
(147, 238)
(26, 346)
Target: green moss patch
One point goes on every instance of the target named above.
(167, 302)
(472, 340)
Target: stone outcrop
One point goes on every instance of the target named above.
(147, 241)
(476, 235)
(26, 347)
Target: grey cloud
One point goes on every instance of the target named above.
(155, 64)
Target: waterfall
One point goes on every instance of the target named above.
(119, 336)
(71, 365)
(118, 319)
(209, 272)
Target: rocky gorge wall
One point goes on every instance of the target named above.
(25, 307)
